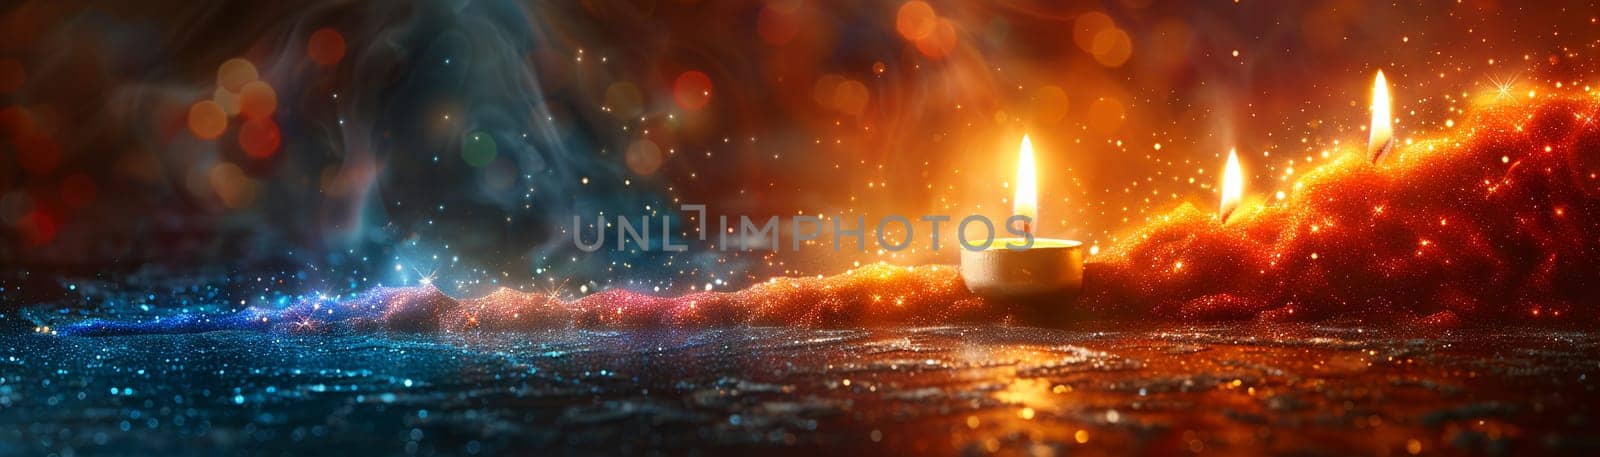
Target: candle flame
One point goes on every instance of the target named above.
(1382, 130)
(1026, 200)
(1232, 186)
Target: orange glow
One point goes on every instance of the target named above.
(643, 157)
(825, 90)
(1111, 47)
(229, 101)
(915, 20)
(1381, 140)
(233, 187)
(1232, 186)
(1026, 202)
(1049, 104)
(235, 73)
(1087, 26)
(941, 41)
(1351, 238)
(692, 90)
(851, 97)
(259, 137)
(326, 47)
(207, 120)
(257, 100)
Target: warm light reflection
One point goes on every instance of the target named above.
(1382, 130)
(1027, 196)
(1232, 186)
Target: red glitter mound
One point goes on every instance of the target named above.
(871, 295)
(1497, 223)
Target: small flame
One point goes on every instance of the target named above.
(1232, 186)
(1026, 200)
(1382, 130)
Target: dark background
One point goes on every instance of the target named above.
(814, 107)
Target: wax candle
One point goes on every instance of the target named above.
(1046, 268)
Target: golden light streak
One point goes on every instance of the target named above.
(1026, 201)
(1382, 130)
(1232, 186)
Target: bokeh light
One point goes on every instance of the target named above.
(941, 41)
(851, 97)
(257, 100)
(1087, 26)
(624, 100)
(233, 74)
(644, 157)
(235, 189)
(1111, 47)
(326, 47)
(692, 90)
(824, 89)
(1049, 104)
(207, 120)
(478, 149)
(915, 20)
(259, 137)
(228, 100)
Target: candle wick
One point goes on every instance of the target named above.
(1379, 149)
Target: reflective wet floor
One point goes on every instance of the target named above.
(1242, 389)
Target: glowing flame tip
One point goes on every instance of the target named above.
(1232, 186)
(1025, 202)
(1382, 129)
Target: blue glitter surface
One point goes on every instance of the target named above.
(942, 390)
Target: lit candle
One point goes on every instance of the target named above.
(1048, 268)
(1025, 201)
(1232, 187)
(1382, 139)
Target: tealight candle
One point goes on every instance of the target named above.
(1047, 268)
